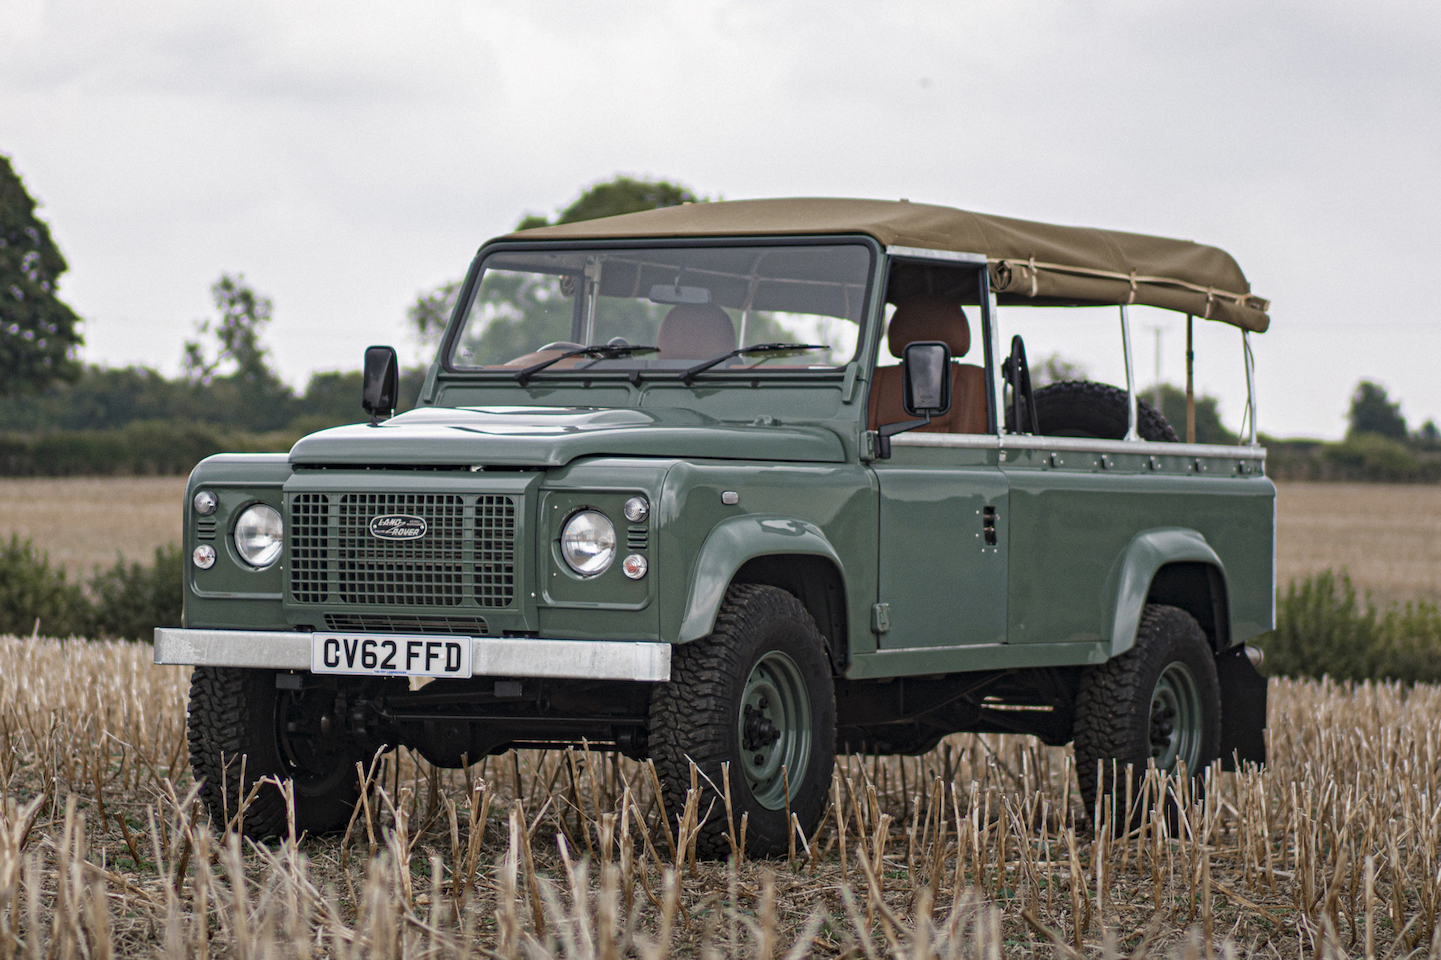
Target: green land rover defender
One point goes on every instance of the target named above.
(745, 483)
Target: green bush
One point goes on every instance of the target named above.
(36, 597)
(1324, 628)
(1376, 457)
(144, 447)
(130, 600)
(1365, 458)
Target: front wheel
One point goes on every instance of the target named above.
(236, 713)
(1158, 702)
(757, 694)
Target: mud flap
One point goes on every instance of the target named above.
(1243, 709)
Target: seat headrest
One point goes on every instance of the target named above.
(929, 317)
(695, 331)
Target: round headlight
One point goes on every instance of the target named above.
(588, 543)
(259, 535)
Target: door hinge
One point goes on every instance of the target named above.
(880, 618)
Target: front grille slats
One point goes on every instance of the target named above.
(465, 556)
(428, 571)
(309, 548)
(404, 623)
(494, 551)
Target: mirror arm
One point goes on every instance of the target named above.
(888, 430)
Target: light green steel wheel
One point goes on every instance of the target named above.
(774, 728)
(1177, 719)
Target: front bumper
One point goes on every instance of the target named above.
(490, 656)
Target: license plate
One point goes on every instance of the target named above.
(390, 655)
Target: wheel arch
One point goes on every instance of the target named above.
(1198, 588)
(1175, 566)
(793, 555)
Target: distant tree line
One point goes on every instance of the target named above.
(1378, 447)
(62, 416)
(227, 382)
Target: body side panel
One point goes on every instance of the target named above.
(817, 510)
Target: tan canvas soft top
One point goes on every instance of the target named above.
(1030, 263)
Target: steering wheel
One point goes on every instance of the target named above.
(1023, 401)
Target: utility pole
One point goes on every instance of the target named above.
(1158, 330)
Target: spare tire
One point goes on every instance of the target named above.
(1098, 411)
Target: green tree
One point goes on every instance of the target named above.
(613, 197)
(231, 381)
(236, 332)
(1053, 368)
(431, 311)
(39, 334)
(1209, 428)
(1374, 412)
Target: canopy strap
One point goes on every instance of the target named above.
(1134, 280)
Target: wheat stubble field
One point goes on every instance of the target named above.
(979, 849)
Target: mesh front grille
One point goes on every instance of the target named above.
(464, 555)
(309, 548)
(428, 571)
(494, 551)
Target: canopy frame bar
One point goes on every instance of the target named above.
(1132, 412)
(1250, 384)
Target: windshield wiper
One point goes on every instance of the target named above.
(689, 375)
(601, 351)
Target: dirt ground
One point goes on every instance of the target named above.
(1387, 535)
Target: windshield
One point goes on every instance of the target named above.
(686, 305)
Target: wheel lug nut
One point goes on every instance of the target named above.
(758, 760)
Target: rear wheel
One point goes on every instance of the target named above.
(755, 694)
(1158, 702)
(286, 734)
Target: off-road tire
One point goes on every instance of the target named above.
(696, 717)
(1083, 408)
(1114, 706)
(234, 713)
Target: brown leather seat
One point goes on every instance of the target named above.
(930, 317)
(695, 331)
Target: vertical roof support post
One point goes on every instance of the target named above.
(1250, 382)
(592, 290)
(1190, 384)
(998, 389)
(1132, 415)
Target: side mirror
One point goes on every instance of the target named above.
(927, 372)
(926, 380)
(382, 375)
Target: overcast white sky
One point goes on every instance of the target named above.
(346, 155)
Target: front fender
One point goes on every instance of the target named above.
(1131, 577)
(728, 546)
